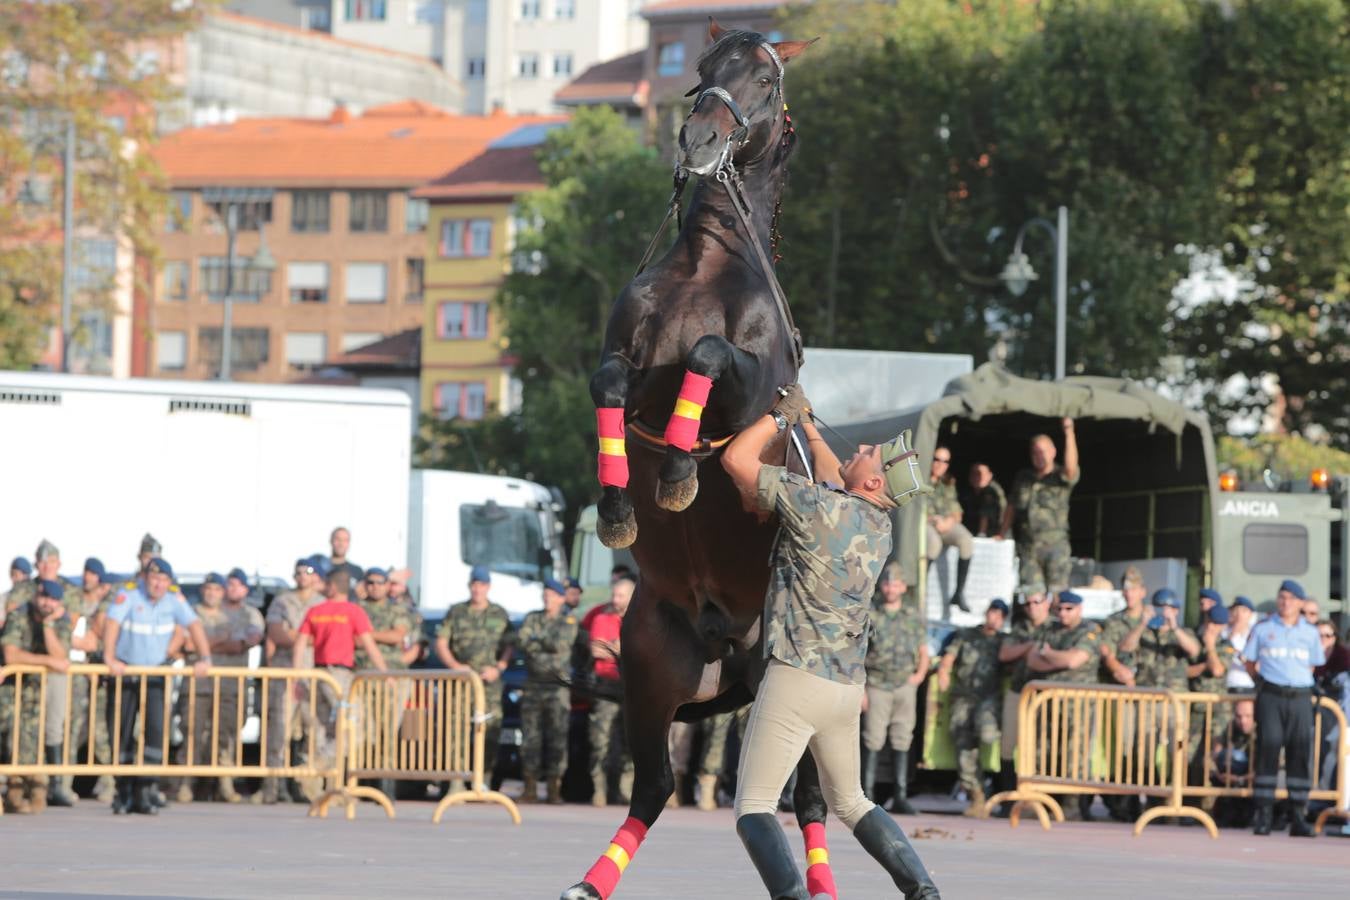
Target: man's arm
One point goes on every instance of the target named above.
(1189, 645)
(393, 635)
(199, 640)
(944, 672)
(298, 648)
(1070, 451)
(1011, 652)
(281, 634)
(444, 655)
(1006, 528)
(921, 667)
(111, 629)
(367, 641)
(741, 459)
(1130, 642)
(826, 463)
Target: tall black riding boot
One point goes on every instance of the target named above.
(869, 774)
(883, 839)
(900, 801)
(143, 798)
(57, 792)
(1261, 822)
(768, 849)
(959, 595)
(124, 786)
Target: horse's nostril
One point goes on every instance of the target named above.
(712, 138)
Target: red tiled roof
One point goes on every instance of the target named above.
(689, 7)
(400, 350)
(497, 172)
(617, 79)
(395, 145)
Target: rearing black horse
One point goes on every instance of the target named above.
(700, 341)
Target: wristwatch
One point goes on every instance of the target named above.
(780, 420)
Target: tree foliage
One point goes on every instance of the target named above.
(86, 61)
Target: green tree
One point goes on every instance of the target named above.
(84, 61)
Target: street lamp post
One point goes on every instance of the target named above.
(1018, 275)
(67, 242)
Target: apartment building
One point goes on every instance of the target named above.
(331, 200)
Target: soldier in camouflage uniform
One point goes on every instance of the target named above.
(546, 637)
(1026, 634)
(1040, 511)
(388, 619)
(944, 523)
(972, 658)
(1165, 652)
(986, 513)
(36, 634)
(833, 540)
(1208, 673)
(1119, 650)
(476, 634)
(244, 629)
(897, 663)
(91, 605)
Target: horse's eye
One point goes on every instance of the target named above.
(765, 82)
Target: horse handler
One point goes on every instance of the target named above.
(834, 538)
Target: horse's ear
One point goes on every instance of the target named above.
(715, 31)
(788, 49)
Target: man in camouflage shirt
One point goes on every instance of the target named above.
(944, 523)
(546, 637)
(36, 634)
(1165, 651)
(1121, 632)
(986, 513)
(1040, 511)
(1208, 673)
(897, 663)
(969, 669)
(1026, 634)
(476, 634)
(389, 620)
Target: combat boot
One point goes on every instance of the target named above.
(600, 789)
(267, 793)
(1262, 820)
(143, 797)
(900, 802)
(555, 790)
(1298, 822)
(227, 791)
(768, 849)
(104, 789)
(15, 801)
(36, 793)
(707, 792)
(57, 792)
(959, 595)
(184, 793)
(883, 840)
(121, 803)
(976, 808)
(530, 792)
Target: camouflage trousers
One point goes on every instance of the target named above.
(543, 719)
(712, 750)
(82, 719)
(974, 722)
(609, 744)
(20, 738)
(291, 727)
(1047, 562)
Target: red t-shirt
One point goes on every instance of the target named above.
(335, 625)
(603, 625)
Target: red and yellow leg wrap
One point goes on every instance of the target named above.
(613, 460)
(682, 430)
(819, 876)
(604, 875)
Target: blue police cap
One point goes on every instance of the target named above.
(215, 578)
(377, 571)
(1218, 614)
(1294, 588)
(552, 584)
(1211, 594)
(1240, 600)
(112, 578)
(1070, 598)
(159, 565)
(95, 565)
(22, 565)
(480, 573)
(1166, 597)
(320, 564)
(50, 587)
(239, 574)
(573, 583)
(999, 605)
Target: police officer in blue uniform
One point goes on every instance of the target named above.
(1280, 654)
(139, 628)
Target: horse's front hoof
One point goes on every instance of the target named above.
(581, 891)
(676, 496)
(617, 535)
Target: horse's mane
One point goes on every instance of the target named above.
(729, 44)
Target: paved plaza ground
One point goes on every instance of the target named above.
(203, 851)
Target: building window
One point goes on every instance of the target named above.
(457, 321)
(171, 351)
(369, 211)
(475, 12)
(426, 12)
(529, 9)
(415, 215)
(95, 263)
(461, 399)
(249, 286)
(355, 340)
(366, 282)
(309, 211)
(527, 65)
(317, 18)
(670, 59)
(562, 65)
(477, 66)
(307, 282)
(414, 276)
(91, 350)
(180, 211)
(248, 348)
(306, 349)
(175, 280)
(365, 10)
(250, 216)
(465, 237)
(564, 9)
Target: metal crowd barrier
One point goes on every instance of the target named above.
(1124, 741)
(300, 690)
(423, 725)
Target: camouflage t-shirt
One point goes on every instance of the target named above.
(944, 501)
(23, 629)
(384, 615)
(1162, 662)
(1083, 636)
(1024, 632)
(975, 672)
(547, 644)
(989, 505)
(893, 645)
(1114, 629)
(1205, 683)
(477, 638)
(827, 558)
(290, 608)
(1041, 506)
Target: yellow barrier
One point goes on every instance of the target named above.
(425, 725)
(183, 694)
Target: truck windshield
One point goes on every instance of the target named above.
(505, 539)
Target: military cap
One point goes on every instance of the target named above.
(999, 605)
(1211, 594)
(46, 549)
(1218, 614)
(1294, 588)
(1032, 588)
(900, 466)
(480, 573)
(1166, 597)
(552, 584)
(573, 583)
(159, 565)
(1132, 576)
(374, 571)
(21, 565)
(1070, 598)
(51, 587)
(95, 565)
(1240, 600)
(892, 572)
(214, 578)
(150, 545)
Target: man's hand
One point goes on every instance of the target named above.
(490, 674)
(117, 667)
(792, 404)
(55, 615)
(1068, 424)
(200, 668)
(1124, 676)
(1169, 614)
(916, 679)
(58, 663)
(1211, 639)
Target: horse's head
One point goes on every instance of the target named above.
(739, 110)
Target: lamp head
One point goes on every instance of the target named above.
(1018, 274)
